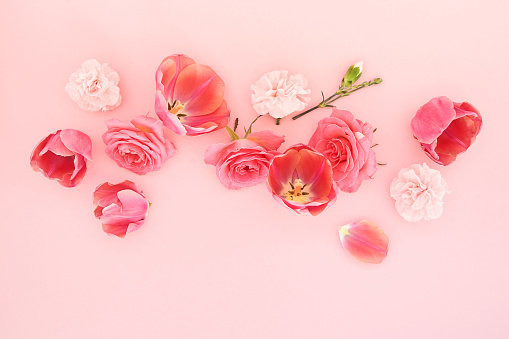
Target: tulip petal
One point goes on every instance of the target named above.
(365, 241)
(432, 119)
(78, 142)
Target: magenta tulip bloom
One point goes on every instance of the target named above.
(301, 179)
(445, 128)
(122, 208)
(365, 241)
(190, 97)
(244, 162)
(62, 156)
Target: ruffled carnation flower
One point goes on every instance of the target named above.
(418, 191)
(122, 208)
(62, 156)
(244, 162)
(280, 94)
(301, 179)
(346, 142)
(94, 87)
(140, 146)
(446, 128)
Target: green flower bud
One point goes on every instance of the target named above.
(352, 75)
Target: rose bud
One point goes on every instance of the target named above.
(301, 179)
(122, 208)
(445, 128)
(62, 156)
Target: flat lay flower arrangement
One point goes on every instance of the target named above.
(305, 177)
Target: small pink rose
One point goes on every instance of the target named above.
(346, 142)
(94, 87)
(445, 128)
(244, 162)
(63, 156)
(190, 97)
(122, 208)
(301, 179)
(365, 241)
(140, 146)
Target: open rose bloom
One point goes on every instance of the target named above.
(346, 142)
(301, 179)
(122, 208)
(445, 128)
(244, 162)
(94, 87)
(140, 146)
(190, 97)
(62, 156)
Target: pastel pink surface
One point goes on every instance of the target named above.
(215, 263)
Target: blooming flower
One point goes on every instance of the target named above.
(190, 97)
(418, 191)
(346, 143)
(301, 179)
(63, 156)
(445, 128)
(280, 94)
(94, 87)
(140, 146)
(244, 162)
(122, 208)
(365, 241)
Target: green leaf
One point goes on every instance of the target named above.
(234, 136)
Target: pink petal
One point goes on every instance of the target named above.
(78, 142)
(200, 89)
(364, 241)
(168, 72)
(432, 119)
(267, 139)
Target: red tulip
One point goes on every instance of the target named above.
(301, 179)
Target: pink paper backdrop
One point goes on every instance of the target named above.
(214, 263)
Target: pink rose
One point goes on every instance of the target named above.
(122, 208)
(190, 97)
(445, 128)
(301, 179)
(244, 162)
(346, 142)
(63, 156)
(94, 87)
(419, 192)
(140, 146)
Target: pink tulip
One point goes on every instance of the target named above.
(62, 156)
(445, 128)
(364, 241)
(301, 179)
(244, 162)
(122, 208)
(140, 146)
(190, 97)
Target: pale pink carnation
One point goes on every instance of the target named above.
(418, 191)
(280, 94)
(94, 87)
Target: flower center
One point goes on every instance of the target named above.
(176, 106)
(297, 193)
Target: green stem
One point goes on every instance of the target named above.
(250, 126)
(341, 92)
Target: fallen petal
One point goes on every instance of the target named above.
(364, 241)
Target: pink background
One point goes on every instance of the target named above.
(215, 263)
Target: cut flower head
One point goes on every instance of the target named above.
(301, 179)
(190, 97)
